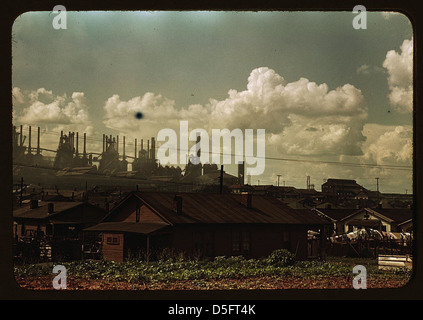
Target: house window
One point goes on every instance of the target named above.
(241, 242)
(113, 240)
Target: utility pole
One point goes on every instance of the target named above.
(278, 178)
(377, 184)
(221, 180)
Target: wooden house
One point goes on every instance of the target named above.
(204, 224)
(53, 223)
(381, 219)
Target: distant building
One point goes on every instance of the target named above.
(50, 223)
(341, 188)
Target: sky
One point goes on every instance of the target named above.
(335, 101)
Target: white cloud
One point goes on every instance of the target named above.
(53, 114)
(400, 77)
(366, 69)
(388, 145)
(17, 95)
(301, 117)
(389, 14)
(45, 107)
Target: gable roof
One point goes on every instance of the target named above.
(337, 214)
(41, 212)
(132, 227)
(222, 208)
(395, 214)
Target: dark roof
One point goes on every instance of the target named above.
(397, 214)
(41, 212)
(341, 182)
(132, 227)
(337, 214)
(225, 208)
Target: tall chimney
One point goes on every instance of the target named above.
(246, 199)
(104, 141)
(77, 139)
(153, 149)
(20, 137)
(38, 141)
(177, 204)
(124, 158)
(29, 140)
(85, 144)
(136, 147)
(117, 144)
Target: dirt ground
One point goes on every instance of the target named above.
(45, 283)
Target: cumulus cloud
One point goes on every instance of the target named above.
(300, 117)
(45, 107)
(52, 113)
(400, 77)
(389, 145)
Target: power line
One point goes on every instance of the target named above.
(350, 164)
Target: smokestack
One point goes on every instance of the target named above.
(29, 140)
(247, 199)
(136, 147)
(20, 137)
(124, 158)
(117, 144)
(177, 204)
(38, 141)
(153, 149)
(104, 141)
(85, 144)
(77, 139)
(142, 146)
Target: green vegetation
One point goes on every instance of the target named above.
(279, 263)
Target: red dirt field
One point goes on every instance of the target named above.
(45, 283)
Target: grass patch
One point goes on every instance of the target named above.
(278, 264)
